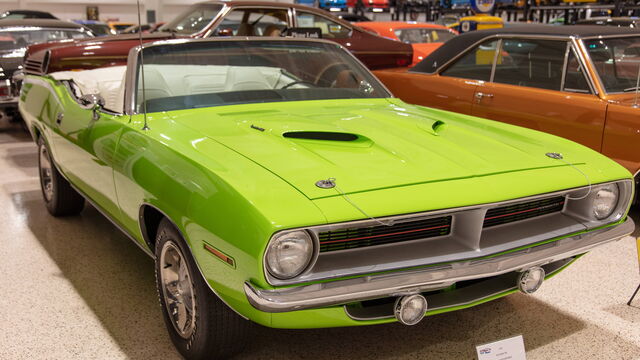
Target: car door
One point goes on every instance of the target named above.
(85, 147)
(540, 84)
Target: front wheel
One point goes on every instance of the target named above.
(200, 325)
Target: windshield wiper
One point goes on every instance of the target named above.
(631, 89)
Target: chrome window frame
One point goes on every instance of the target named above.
(213, 25)
(569, 39)
(587, 59)
(206, 30)
(295, 21)
(132, 63)
(573, 47)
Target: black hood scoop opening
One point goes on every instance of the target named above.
(321, 135)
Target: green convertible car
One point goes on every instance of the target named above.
(277, 181)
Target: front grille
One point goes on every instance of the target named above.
(352, 238)
(522, 211)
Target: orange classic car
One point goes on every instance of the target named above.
(423, 37)
(577, 82)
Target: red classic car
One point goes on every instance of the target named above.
(260, 18)
(423, 37)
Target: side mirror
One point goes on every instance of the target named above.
(225, 32)
(92, 102)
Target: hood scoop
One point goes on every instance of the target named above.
(321, 135)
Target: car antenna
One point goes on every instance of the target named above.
(144, 95)
(635, 101)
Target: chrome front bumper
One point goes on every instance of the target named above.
(431, 278)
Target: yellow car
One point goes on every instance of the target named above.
(117, 27)
(477, 22)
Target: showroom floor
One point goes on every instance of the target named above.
(76, 288)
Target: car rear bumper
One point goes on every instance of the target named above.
(431, 278)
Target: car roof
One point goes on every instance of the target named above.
(46, 23)
(400, 24)
(460, 43)
(270, 4)
(28, 12)
(89, 22)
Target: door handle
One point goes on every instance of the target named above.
(59, 118)
(480, 95)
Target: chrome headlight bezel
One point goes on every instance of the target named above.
(274, 269)
(582, 205)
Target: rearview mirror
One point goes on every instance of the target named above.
(93, 102)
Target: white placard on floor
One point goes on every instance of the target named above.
(506, 349)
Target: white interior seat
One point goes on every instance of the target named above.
(163, 81)
(107, 81)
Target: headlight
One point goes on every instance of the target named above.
(289, 254)
(605, 201)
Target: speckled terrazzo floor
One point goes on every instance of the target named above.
(76, 288)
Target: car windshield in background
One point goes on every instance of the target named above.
(100, 29)
(194, 20)
(16, 40)
(423, 35)
(205, 74)
(617, 62)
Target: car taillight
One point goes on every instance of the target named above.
(4, 90)
(402, 62)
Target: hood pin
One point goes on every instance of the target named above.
(326, 184)
(554, 155)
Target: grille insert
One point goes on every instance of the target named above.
(33, 67)
(352, 238)
(522, 211)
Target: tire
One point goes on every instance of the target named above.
(59, 197)
(210, 330)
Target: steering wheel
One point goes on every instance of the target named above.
(298, 82)
(329, 74)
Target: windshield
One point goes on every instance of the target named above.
(617, 62)
(423, 35)
(214, 73)
(100, 29)
(194, 20)
(16, 40)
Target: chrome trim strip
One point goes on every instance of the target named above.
(565, 63)
(377, 286)
(581, 52)
(495, 60)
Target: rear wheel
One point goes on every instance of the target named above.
(59, 197)
(200, 325)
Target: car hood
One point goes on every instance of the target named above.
(368, 144)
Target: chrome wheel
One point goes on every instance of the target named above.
(177, 289)
(45, 174)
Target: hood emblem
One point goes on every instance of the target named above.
(326, 183)
(554, 155)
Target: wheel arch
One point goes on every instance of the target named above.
(149, 219)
